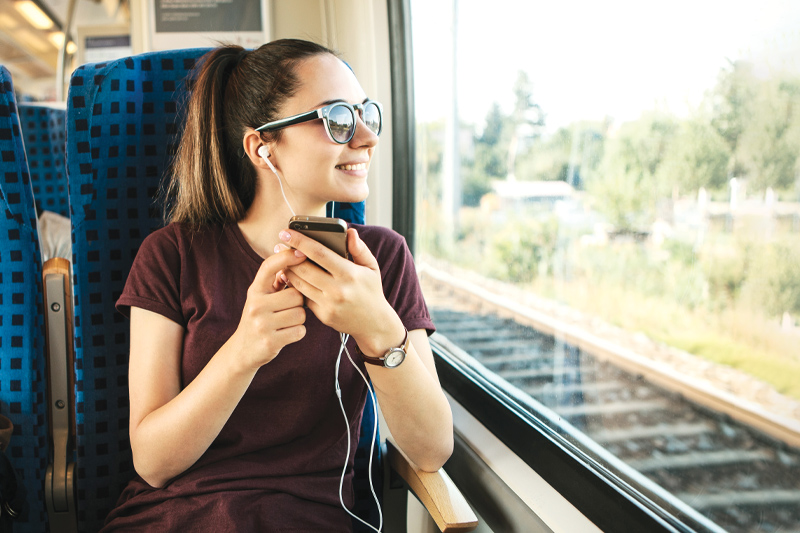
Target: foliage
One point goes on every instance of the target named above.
(726, 270)
(697, 157)
(769, 147)
(732, 106)
(524, 249)
(626, 188)
(774, 281)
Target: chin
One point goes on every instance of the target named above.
(355, 195)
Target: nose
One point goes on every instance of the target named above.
(363, 136)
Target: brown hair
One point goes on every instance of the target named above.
(211, 182)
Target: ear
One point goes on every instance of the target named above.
(251, 142)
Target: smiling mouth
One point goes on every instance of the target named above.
(358, 166)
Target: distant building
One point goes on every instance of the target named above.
(533, 193)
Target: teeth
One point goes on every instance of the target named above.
(359, 166)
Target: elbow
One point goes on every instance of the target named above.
(437, 457)
(150, 474)
(154, 482)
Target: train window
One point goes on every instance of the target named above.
(608, 230)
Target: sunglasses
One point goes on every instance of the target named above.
(339, 119)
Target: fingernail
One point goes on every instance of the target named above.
(284, 235)
(277, 249)
(284, 278)
(298, 253)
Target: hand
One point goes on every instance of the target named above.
(272, 317)
(347, 296)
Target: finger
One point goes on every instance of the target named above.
(317, 252)
(290, 335)
(289, 318)
(359, 251)
(287, 299)
(281, 281)
(303, 286)
(265, 276)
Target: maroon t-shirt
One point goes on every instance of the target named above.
(276, 464)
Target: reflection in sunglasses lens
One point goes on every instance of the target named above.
(340, 123)
(372, 118)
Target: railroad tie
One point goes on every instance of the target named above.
(700, 460)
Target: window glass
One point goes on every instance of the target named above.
(608, 220)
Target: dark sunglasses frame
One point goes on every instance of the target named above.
(323, 113)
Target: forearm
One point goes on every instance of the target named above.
(173, 437)
(415, 409)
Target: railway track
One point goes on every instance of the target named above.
(730, 471)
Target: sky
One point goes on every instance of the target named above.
(591, 59)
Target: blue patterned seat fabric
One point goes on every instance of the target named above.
(125, 119)
(44, 131)
(22, 361)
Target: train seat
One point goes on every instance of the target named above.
(22, 348)
(44, 132)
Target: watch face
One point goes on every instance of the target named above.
(395, 357)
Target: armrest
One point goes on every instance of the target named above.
(436, 491)
(59, 486)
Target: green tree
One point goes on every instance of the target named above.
(731, 104)
(696, 157)
(526, 121)
(491, 145)
(555, 156)
(769, 146)
(489, 160)
(625, 188)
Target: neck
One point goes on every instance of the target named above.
(268, 216)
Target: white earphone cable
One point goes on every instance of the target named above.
(265, 156)
(344, 337)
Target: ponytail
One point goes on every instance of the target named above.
(212, 182)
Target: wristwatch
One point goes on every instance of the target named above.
(393, 356)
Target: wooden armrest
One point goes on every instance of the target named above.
(437, 492)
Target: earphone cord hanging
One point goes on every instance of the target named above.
(280, 184)
(344, 337)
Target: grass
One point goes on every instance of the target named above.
(773, 368)
(736, 338)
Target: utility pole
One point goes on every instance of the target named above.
(451, 165)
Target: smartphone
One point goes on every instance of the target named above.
(332, 232)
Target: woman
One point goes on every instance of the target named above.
(235, 423)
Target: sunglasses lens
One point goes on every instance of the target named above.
(372, 117)
(341, 123)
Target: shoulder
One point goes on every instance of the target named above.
(179, 237)
(381, 240)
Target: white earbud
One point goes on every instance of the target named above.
(263, 151)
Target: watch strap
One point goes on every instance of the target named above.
(380, 361)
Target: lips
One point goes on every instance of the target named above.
(355, 166)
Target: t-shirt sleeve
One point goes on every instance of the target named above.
(154, 280)
(401, 284)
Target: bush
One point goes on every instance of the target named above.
(524, 248)
(774, 281)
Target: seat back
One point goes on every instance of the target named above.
(22, 361)
(125, 120)
(44, 131)
(123, 129)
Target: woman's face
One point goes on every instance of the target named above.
(315, 169)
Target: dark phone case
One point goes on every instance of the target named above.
(334, 238)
